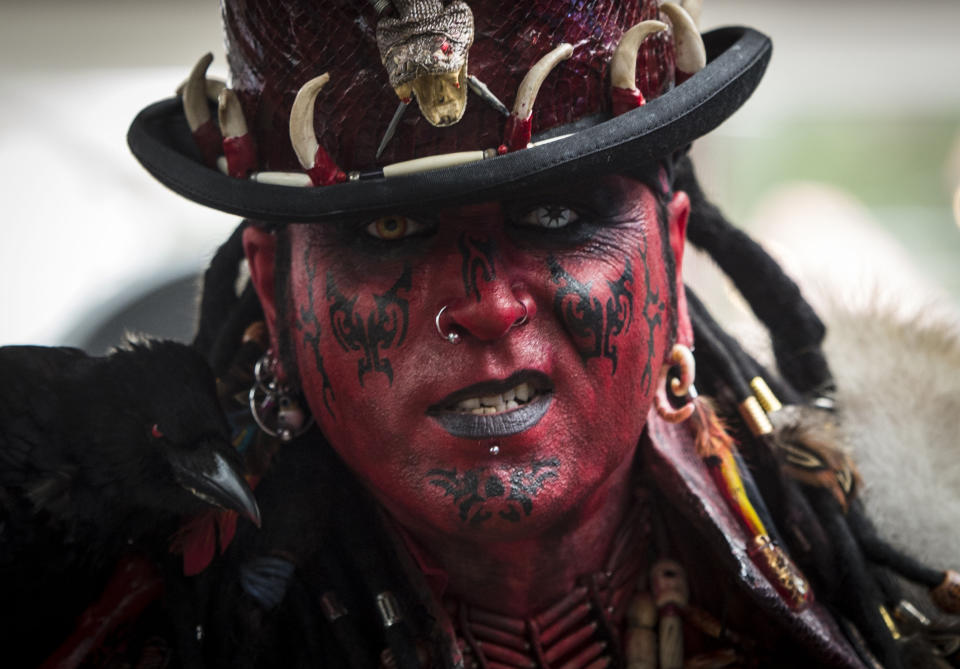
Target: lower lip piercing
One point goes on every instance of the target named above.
(494, 450)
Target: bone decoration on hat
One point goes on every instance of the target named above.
(425, 49)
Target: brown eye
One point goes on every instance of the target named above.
(393, 227)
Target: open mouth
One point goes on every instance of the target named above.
(495, 408)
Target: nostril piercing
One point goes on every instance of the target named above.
(452, 337)
(523, 319)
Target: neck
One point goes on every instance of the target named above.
(520, 577)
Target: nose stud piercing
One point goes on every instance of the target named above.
(452, 337)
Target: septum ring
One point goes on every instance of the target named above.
(452, 337)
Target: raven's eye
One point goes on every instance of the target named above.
(394, 227)
(550, 216)
(155, 432)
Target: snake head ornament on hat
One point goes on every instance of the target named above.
(309, 129)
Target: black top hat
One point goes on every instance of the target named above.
(579, 125)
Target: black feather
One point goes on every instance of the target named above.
(99, 456)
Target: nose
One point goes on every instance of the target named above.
(500, 308)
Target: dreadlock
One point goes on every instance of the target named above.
(336, 597)
(832, 537)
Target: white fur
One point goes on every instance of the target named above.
(899, 396)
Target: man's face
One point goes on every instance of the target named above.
(520, 426)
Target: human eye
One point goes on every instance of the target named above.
(554, 226)
(551, 217)
(394, 227)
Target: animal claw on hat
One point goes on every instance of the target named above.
(313, 158)
(238, 146)
(623, 65)
(624, 93)
(519, 129)
(195, 94)
(214, 87)
(693, 7)
(691, 53)
(232, 121)
(196, 109)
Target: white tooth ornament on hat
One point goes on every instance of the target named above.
(318, 164)
(238, 145)
(691, 52)
(213, 88)
(197, 112)
(519, 128)
(623, 67)
(693, 8)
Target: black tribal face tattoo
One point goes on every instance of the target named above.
(478, 262)
(595, 317)
(308, 324)
(384, 327)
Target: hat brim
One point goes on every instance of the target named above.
(736, 60)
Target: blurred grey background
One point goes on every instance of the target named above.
(845, 163)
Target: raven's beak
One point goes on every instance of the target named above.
(217, 483)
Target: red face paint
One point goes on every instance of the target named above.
(562, 303)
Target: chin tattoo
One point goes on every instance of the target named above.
(595, 318)
(383, 327)
(508, 492)
(478, 262)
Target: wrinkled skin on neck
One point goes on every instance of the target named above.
(567, 290)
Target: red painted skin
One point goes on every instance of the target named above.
(592, 427)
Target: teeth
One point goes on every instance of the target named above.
(489, 405)
(491, 400)
(472, 403)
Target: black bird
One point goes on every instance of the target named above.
(99, 456)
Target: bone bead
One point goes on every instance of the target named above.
(641, 638)
(668, 581)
